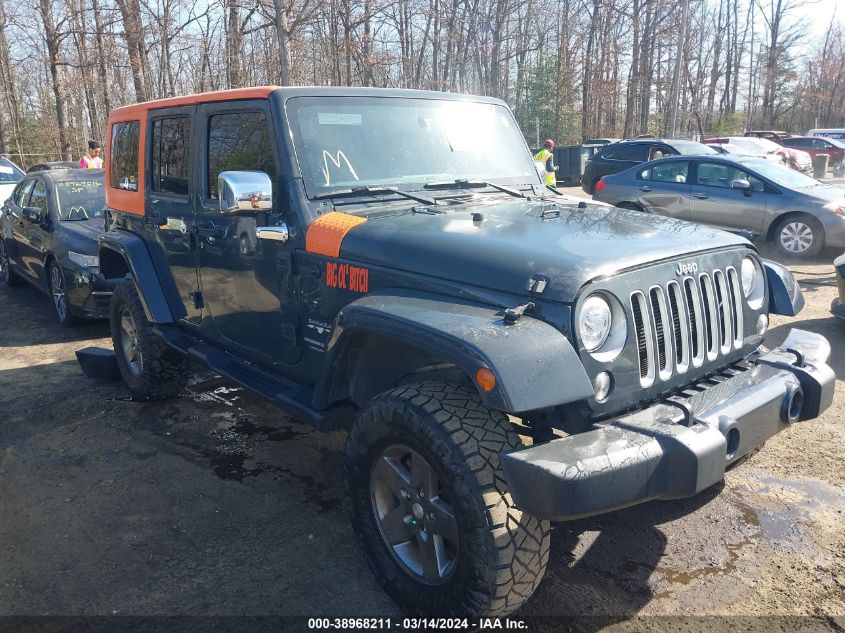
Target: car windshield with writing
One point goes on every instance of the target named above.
(80, 199)
(356, 142)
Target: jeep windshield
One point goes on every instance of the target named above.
(354, 142)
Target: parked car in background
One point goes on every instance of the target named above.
(772, 135)
(53, 164)
(838, 305)
(764, 148)
(49, 229)
(799, 214)
(815, 145)
(10, 175)
(623, 155)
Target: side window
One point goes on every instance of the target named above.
(658, 151)
(674, 171)
(21, 196)
(238, 141)
(170, 148)
(124, 155)
(723, 176)
(632, 151)
(39, 196)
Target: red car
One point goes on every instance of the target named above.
(815, 145)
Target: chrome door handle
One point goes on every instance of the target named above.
(275, 233)
(700, 196)
(645, 188)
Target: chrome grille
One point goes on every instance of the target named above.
(684, 323)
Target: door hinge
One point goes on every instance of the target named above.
(197, 300)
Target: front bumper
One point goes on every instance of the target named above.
(678, 447)
(838, 305)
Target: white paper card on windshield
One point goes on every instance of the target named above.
(339, 118)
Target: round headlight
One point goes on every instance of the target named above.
(750, 276)
(594, 322)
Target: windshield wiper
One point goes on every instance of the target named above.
(373, 191)
(463, 183)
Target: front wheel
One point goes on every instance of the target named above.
(430, 507)
(58, 291)
(799, 236)
(150, 368)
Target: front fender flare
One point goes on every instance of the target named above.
(535, 365)
(785, 296)
(152, 292)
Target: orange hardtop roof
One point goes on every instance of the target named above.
(136, 109)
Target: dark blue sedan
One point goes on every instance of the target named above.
(49, 229)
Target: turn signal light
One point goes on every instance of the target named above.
(485, 379)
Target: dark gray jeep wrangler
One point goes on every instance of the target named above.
(389, 262)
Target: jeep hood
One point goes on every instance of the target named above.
(517, 239)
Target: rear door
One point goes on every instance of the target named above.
(247, 283)
(662, 187)
(624, 156)
(714, 201)
(170, 198)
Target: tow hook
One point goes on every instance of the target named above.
(512, 315)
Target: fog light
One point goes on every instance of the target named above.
(602, 384)
(762, 324)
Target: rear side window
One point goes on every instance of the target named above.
(238, 141)
(124, 155)
(632, 151)
(170, 147)
(9, 172)
(21, 197)
(674, 171)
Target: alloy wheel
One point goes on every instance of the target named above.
(130, 343)
(57, 289)
(796, 237)
(415, 516)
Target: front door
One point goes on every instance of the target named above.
(247, 283)
(170, 200)
(714, 200)
(33, 237)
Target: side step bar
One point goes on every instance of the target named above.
(293, 399)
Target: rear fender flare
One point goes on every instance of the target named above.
(534, 364)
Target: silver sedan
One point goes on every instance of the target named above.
(799, 214)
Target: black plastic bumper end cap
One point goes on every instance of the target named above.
(98, 363)
(838, 308)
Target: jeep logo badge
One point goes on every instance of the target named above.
(686, 269)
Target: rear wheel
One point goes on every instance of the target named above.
(430, 507)
(799, 236)
(150, 368)
(58, 291)
(7, 275)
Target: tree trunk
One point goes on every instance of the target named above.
(130, 10)
(59, 93)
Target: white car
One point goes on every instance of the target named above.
(10, 175)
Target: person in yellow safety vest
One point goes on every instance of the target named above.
(547, 158)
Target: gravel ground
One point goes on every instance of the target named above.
(214, 503)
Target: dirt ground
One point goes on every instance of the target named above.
(214, 503)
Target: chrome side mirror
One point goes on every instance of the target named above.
(244, 192)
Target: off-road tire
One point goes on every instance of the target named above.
(164, 370)
(503, 552)
(7, 275)
(807, 220)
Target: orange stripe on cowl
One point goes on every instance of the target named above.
(326, 233)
